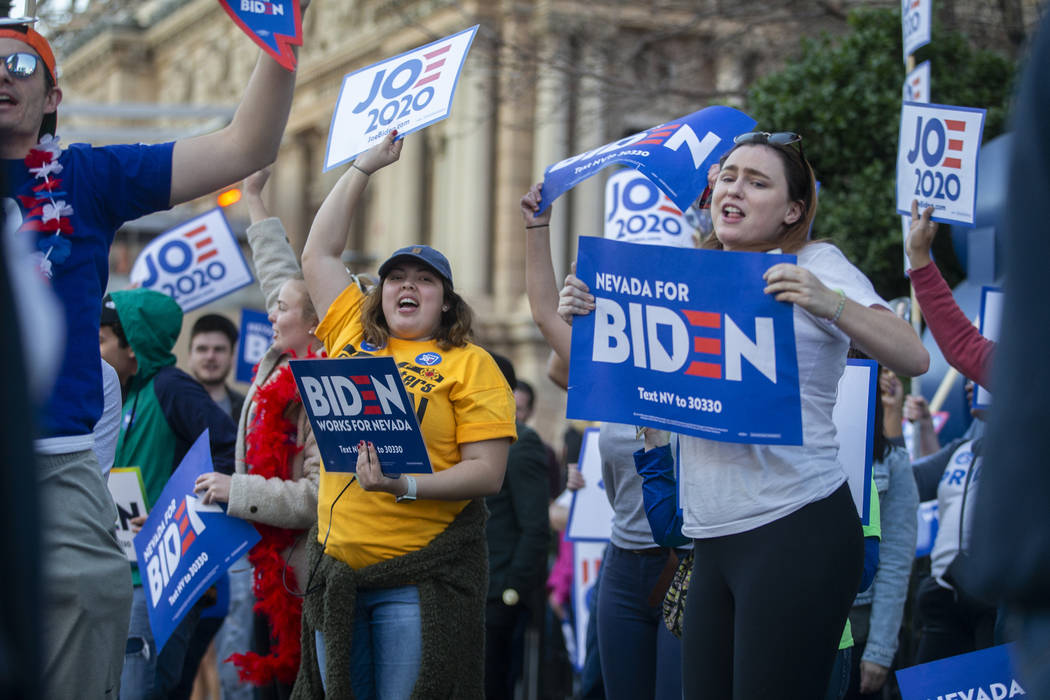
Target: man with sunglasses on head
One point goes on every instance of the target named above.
(72, 200)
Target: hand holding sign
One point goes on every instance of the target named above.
(796, 285)
(530, 207)
(575, 298)
(381, 155)
(920, 236)
(370, 472)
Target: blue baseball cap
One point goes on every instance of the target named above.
(424, 254)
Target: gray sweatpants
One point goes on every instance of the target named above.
(87, 580)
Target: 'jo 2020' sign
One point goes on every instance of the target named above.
(638, 212)
(194, 263)
(407, 92)
(937, 160)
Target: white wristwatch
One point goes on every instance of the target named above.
(410, 490)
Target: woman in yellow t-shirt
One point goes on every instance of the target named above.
(397, 602)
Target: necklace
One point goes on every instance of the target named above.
(46, 212)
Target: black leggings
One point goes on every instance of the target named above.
(766, 608)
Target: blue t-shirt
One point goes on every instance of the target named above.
(106, 186)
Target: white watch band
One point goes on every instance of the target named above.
(410, 491)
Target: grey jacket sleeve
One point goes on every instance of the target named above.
(896, 553)
(272, 257)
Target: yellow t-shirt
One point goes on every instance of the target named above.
(459, 395)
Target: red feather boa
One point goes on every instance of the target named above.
(270, 450)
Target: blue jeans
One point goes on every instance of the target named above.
(639, 657)
(387, 645)
(235, 635)
(148, 673)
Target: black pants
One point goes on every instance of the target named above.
(766, 608)
(504, 648)
(950, 625)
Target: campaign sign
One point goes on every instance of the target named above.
(926, 534)
(917, 84)
(275, 25)
(854, 419)
(637, 211)
(587, 562)
(407, 93)
(590, 517)
(194, 263)
(915, 24)
(937, 160)
(687, 341)
(186, 545)
(349, 399)
(987, 674)
(674, 155)
(129, 496)
(256, 338)
(990, 322)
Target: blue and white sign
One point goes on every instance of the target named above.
(590, 516)
(990, 323)
(937, 160)
(928, 522)
(350, 399)
(194, 263)
(987, 674)
(637, 211)
(915, 24)
(854, 419)
(917, 84)
(129, 496)
(685, 340)
(256, 338)
(674, 155)
(408, 92)
(186, 545)
(275, 25)
(587, 562)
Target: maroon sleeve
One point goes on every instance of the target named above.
(963, 346)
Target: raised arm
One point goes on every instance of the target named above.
(272, 256)
(326, 275)
(540, 283)
(203, 164)
(963, 346)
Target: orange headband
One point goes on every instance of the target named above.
(39, 44)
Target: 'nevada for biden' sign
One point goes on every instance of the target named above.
(685, 340)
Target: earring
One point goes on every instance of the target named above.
(444, 308)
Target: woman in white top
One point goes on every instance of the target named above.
(778, 544)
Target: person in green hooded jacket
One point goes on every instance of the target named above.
(165, 411)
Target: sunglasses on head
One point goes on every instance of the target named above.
(779, 138)
(21, 64)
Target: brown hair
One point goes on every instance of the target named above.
(802, 188)
(454, 329)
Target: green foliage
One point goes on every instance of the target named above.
(844, 96)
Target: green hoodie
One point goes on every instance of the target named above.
(165, 410)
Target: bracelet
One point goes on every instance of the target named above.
(355, 166)
(842, 306)
(538, 226)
